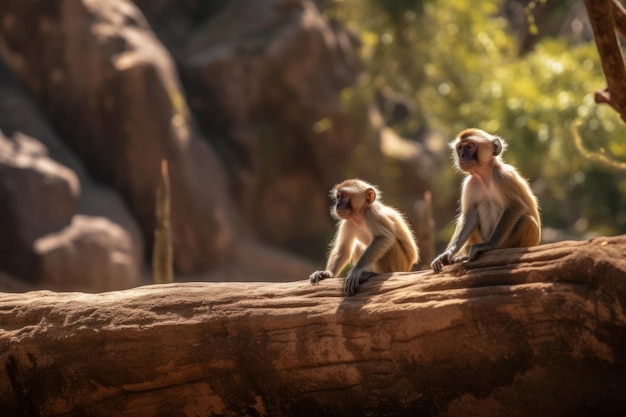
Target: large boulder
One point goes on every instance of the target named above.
(51, 210)
(90, 254)
(111, 90)
(38, 196)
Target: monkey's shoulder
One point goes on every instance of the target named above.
(378, 209)
(514, 187)
(508, 172)
(386, 219)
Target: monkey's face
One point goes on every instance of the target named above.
(476, 149)
(350, 199)
(467, 154)
(342, 205)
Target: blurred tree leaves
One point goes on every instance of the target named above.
(459, 62)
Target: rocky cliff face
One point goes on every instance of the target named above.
(241, 98)
(111, 89)
(269, 75)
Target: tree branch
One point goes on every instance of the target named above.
(619, 14)
(602, 15)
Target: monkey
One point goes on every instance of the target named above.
(497, 207)
(371, 235)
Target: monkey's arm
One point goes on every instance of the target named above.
(463, 232)
(467, 225)
(509, 219)
(379, 245)
(338, 257)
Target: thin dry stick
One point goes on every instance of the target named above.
(162, 255)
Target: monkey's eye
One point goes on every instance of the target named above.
(470, 145)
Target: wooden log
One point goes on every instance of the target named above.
(519, 332)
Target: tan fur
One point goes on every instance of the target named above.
(490, 189)
(374, 237)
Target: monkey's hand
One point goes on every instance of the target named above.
(317, 276)
(477, 249)
(441, 260)
(354, 280)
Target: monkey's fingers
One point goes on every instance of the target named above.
(478, 248)
(365, 275)
(317, 276)
(351, 286)
(354, 281)
(440, 261)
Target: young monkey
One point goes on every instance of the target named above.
(369, 232)
(498, 208)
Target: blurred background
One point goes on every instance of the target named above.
(259, 108)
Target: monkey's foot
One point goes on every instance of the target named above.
(354, 281)
(477, 249)
(317, 276)
(440, 261)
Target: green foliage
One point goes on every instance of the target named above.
(460, 63)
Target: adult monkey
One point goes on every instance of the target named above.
(498, 209)
(369, 232)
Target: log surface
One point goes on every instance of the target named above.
(519, 332)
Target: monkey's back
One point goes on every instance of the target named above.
(517, 187)
(404, 253)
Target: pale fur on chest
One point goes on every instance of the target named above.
(363, 235)
(489, 203)
(362, 238)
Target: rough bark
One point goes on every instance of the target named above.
(520, 332)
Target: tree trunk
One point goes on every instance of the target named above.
(520, 332)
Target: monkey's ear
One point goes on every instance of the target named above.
(497, 146)
(370, 195)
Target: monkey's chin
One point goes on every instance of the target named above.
(468, 165)
(343, 214)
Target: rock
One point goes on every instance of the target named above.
(531, 331)
(176, 21)
(111, 89)
(91, 254)
(43, 188)
(38, 196)
(43, 192)
(264, 79)
(268, 76)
